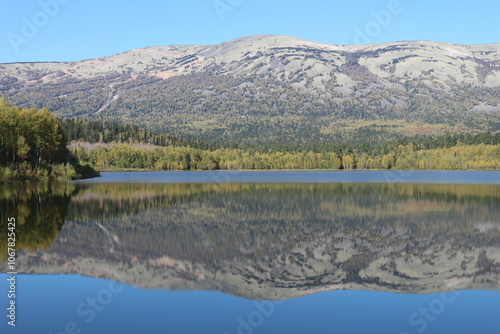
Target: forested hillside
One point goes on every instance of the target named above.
(278, 89)
(108, 145)
(100, 131)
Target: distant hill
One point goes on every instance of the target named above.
(275, 88)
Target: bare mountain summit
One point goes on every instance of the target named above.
(274, 88)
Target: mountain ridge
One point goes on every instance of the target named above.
(424, 41)
(277, 83)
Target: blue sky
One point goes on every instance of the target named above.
(67, 30)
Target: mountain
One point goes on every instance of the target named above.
(275, 88)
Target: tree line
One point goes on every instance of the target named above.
(480, 156)
(119, 149)
(33, 145)
(105, 131)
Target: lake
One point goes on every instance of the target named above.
(256, 252)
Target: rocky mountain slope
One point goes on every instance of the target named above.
(274, 87)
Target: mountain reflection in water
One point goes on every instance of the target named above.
(262, 241)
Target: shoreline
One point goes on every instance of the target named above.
(140, 170)
(236, 171)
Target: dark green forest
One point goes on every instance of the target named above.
(119, 146)
(104, 131)
(35, 145)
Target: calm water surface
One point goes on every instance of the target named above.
(256, 252)
(460, 177)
